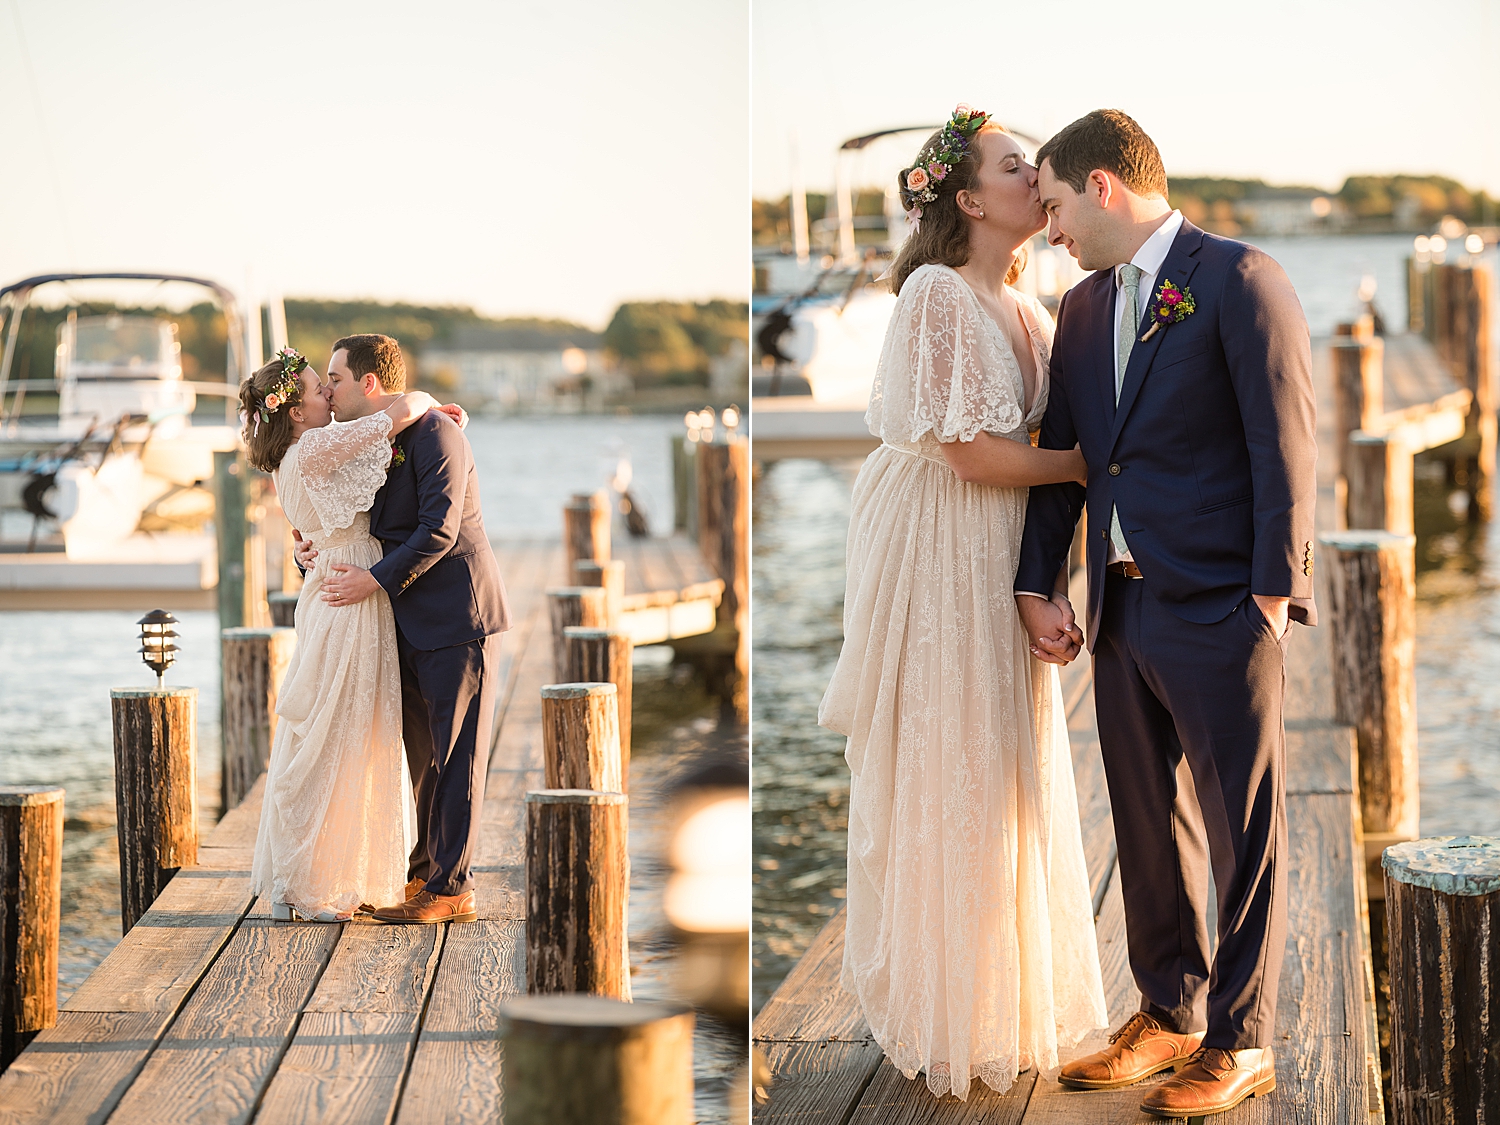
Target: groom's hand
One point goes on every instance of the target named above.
(1054, 635)
(304, 552)
(348, 585)
(1275, 611)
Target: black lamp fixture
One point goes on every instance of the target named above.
(157, 650)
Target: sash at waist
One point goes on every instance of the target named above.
(359, 532)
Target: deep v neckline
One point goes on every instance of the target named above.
(1036, 358)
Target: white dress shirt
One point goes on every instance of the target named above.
(1148, 259)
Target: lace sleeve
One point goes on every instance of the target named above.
(343, 465)
(941, 369)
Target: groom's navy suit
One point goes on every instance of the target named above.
(1209, 460)
(450, 608)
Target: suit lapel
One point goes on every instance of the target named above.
(377, 506)
(1178, 267)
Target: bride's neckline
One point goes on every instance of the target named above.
(1036, 394)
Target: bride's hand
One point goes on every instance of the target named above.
(456, 412)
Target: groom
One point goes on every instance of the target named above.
(450, 609)
(1183, 369)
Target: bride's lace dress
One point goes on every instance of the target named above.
(969, 935)
(334, 826)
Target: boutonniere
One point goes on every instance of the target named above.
(398, 457)
(1173, 303)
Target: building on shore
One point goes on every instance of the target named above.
(522, 368)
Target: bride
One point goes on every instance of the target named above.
(970, 936)
(334, 826)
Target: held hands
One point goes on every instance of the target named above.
(348, 585)
(1055, 636)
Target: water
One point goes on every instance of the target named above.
(56, 670)
(801, 514)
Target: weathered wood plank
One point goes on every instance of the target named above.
(455, 1071)
(893, 1099)
(341, 1067)
(502, 832)
(810, 1004)
(76, 1073)
(817, 1082)
(222, 1049)
(378, 968)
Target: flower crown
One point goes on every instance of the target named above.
(919, 182)
(292, 364)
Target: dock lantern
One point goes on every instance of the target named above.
(157, 650)
(731, 418)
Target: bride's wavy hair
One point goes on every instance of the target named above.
(942, 235)
(267, 443)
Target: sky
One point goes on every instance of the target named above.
(1305, 92)
(528, 159)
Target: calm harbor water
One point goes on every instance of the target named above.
(801, 514)
(56, 670)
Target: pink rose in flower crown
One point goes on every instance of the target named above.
(273, 401)
(916, 179)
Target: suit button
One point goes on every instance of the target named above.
(1114, 470)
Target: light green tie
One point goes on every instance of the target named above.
(1130, 278)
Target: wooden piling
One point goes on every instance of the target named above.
(586, 1060)
(605, 656)
(577, 890)
(608, 575)
(723, 471)
(1372, 621)
(283, 609)
(156, 790)
(1358, 390)
(574, 605)
(31, 837)
(1378, 473)
(1442, 902)
(253, 664)
(581, 737)
(238, 511)
(586, 528)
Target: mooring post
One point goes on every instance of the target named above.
(1442, 903)
(31, 837)
(608, 575)
(156, 790)
(253, 663)
(604, 656)
(1372, 619)
(574, 605)
(577, 892)
(581, 737)
(586, 528)
(1472, 349)
(587, 1060)
(1358, 390)
(1378, 474)
(231, 531)
(723, 470)
(283, 609)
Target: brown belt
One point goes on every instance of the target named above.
(1126, 567)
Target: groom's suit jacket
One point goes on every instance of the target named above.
(1209, 456)
(438, 569)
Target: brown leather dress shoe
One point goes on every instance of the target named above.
(1214, 1081)
(1142, 1047)
(426, 908)
(413, 889)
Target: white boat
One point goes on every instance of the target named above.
(120, 479)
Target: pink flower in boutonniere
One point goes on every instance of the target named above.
(1173, 304)
(398, 457)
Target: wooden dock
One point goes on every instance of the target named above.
(207, 1011)
(827, 1068)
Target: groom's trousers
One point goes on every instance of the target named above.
(448, 711)
(1190, 726)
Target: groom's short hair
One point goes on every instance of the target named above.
(1107, 139)
(372, 353)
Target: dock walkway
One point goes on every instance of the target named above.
(828, 1069)
(207, 1011)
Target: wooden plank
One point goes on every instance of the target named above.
(221, 1051)
(455, 1071)
(893, 1099)
(817, 1082)
(502, 830)
(77, 1071)
(809, 1004)
(518, 744)
(348, 1057)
